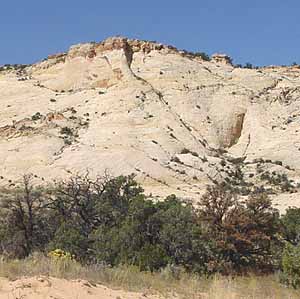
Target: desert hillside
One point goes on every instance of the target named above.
(176, 120)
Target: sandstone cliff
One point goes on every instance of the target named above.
(177, 121)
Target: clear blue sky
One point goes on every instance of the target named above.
(258, 31)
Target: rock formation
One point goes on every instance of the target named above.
(175, 120)
(221, 58)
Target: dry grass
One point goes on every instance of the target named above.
(169, 283)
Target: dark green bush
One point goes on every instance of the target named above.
(290, 274)
(291, 225)
(36, 116)
(71, 239)
(248, 65)
(66, 131)
(154, 235)
(203, 55)
(182, 236)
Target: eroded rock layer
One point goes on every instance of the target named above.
(177, 121)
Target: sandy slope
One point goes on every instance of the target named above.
(53, 288)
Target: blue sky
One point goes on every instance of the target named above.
(261, 32)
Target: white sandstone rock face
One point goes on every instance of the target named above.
(177, 121)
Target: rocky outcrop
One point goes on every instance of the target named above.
(221, 58)
(177, 121)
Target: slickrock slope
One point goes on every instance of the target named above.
(175, 120)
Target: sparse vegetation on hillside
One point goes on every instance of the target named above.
(13, 67)
(203, 55)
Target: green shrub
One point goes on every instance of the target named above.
(291, 225)
(66, 131)
(291, 266)
(70, 239)
(248, 66)
(36, 116)
(203, 55)
(154, 235)
(182, 236)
